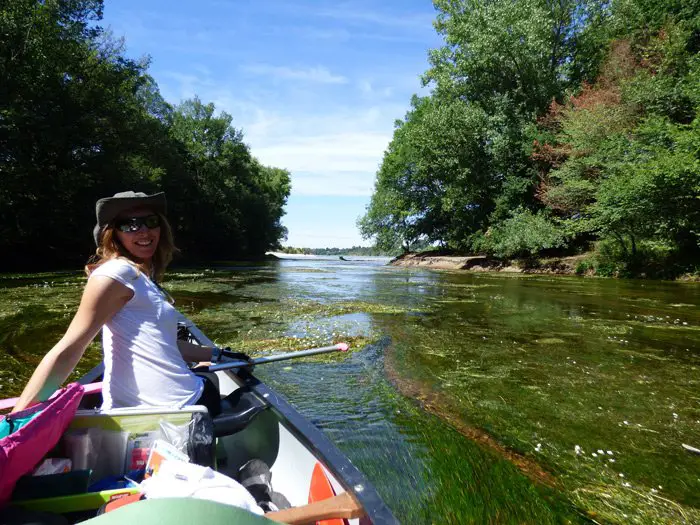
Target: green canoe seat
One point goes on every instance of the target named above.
(238, 409)
(179, 511)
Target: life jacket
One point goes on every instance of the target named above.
(27, 436)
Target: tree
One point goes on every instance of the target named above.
(550, 125)
(459, 162)
(70, 125)
(79, 120)
(233, 204)
(622, 162)
(520, 49)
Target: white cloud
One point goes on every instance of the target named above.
(322, 162)
(312, 74)
(188, 85)
(352, 152)
(312, 239)
(333, 152)
(369, 89)
(333, 183)
(329, 149)
(350, 12)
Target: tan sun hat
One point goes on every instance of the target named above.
(108, 208)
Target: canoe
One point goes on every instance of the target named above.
(256, 423)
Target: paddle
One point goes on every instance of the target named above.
(694, 450)
(340, 506)
(340, 347)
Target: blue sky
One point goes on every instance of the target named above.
(315, 86)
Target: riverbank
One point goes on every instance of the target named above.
(585, 264)
(571, 265)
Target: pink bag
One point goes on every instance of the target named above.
(23, 449)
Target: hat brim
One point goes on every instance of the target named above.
(110, 207)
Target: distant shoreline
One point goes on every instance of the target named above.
(282, 255)
(326, 257)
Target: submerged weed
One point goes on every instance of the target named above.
(600, 394)
(592, 383)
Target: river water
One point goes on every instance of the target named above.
(468, 398)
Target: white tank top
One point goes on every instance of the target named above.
(143, 366)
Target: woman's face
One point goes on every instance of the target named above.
(138, 230)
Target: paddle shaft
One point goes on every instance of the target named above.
(340, 347)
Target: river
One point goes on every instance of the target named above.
(468, 398)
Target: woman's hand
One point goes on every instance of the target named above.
(102, 298)
(205, 356)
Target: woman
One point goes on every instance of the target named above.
(145, 363)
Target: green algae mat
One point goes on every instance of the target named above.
(466, 398)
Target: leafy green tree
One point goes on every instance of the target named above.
(523, 234)
(653, 190)
(523, 49)
(431, 183)
(459, 161)
(233, 204)
(69, 124)
(625, 155)
(79, 120)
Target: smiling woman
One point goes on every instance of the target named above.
(145, 363)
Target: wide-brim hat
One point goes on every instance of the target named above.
(108, 208)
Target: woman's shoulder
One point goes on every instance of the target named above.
(117, 267)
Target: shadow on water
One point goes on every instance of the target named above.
(21, 332)
(188, 302)
(40, 279)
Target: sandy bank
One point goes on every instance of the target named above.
(482, 263)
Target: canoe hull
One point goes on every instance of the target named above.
(293, 447)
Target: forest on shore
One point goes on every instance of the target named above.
(552, 128)
(79, 120)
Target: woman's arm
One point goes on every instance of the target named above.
(103, 297)
(193, 353)
(203, 355)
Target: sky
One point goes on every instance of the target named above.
(315, 86)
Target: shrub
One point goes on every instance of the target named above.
(652, 258)
(584, 267)
(523, 234)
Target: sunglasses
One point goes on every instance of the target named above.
(133, 224)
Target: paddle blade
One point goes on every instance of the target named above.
(341, 506)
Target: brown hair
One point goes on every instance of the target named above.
(110, 248)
